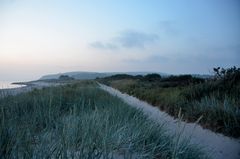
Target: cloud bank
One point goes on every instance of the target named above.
(126, 39)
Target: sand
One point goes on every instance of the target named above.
(216, 145)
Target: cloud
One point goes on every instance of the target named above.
(158, 59)
(126, 39)
(221, 54)
(153, 59)
(134, 39)
(168, 27)
(101, 45)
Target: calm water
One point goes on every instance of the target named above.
(7, 85)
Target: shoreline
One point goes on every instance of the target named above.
(28, 86)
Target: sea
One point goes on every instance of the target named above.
(9, 85)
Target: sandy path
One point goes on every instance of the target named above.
(218, 145)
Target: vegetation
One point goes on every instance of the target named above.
(152, 77)
(81, 121)
(65, 77)
(215, 99)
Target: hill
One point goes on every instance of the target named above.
(93, 75)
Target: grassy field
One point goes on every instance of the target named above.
(80, 120)
(216, 101)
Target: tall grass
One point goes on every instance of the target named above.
(82, 121)
(225, 113)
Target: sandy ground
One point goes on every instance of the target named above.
(217, 145)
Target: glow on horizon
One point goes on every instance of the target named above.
(41, 37)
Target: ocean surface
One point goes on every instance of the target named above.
(8, 85)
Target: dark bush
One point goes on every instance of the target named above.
(181, 80)
(120, 76)
(65, 77)
(152, 77)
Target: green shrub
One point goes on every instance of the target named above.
(152, 77)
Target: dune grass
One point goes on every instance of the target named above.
(82, 121)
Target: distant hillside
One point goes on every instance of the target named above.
(93, 75)
(76, 75)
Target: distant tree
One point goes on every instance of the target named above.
(139, 76)
(65, 77)
(152, 77)
(120, 76)
(179, 78)
(182, 80)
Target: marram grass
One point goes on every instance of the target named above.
(81, 121)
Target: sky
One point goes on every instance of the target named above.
(39, 37)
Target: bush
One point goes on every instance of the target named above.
(152, 77)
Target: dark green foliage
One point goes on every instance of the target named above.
(232, 74)
(228, 79)
(152, 77)
(121, 76)
(182, 80)
(65, 77)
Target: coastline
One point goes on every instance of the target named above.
(28, 86)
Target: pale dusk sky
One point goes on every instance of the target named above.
(39, 37)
